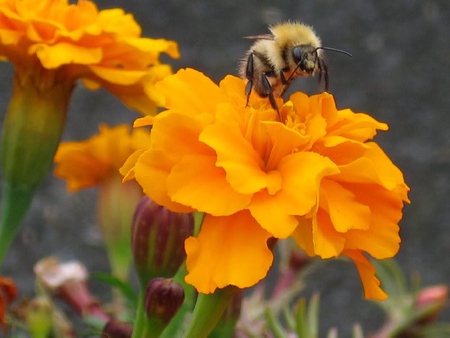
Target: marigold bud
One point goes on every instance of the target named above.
(117, 329)
(157, 240)
(68, 281)
(433, 298)
(163, 298)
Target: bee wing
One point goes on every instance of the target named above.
(260, 37)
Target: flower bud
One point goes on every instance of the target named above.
(117, 329)
(163, 298)
(68, 281)
(432, 299)
(157, 240)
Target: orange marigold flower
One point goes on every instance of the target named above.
(315, 176)
(77, 41)
(89, 163)
(96, 162)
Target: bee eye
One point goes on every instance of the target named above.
(298, 54)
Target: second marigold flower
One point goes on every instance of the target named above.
(314, 176)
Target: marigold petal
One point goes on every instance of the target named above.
(178, 134)
(382, 239)
(356, 126)
(284, 141)
(151, 172)
(228, 251)
(345, 211)
(197, 182)
(301, 176)
(196, 93)
(272, 214)
(127, 170)
(366, 271)
(62, 53)
(327, 241)
(143, 121)
(80, 168)
(118, 76)
(303, 235)
(242, 164)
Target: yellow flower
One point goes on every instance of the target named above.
(96, 162)
(315, 176)
(89, 163)
(69, 42)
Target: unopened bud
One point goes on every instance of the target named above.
(157, 240)
(68, 281)
(163, 298)
(117, 329)
(433, 298)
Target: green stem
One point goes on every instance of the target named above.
(31, 132)
(139, 324)
(178, 322)
(208, 310)
(145, 326)
(14, 205)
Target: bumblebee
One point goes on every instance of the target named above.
(274, 60)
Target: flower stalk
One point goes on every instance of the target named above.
(31, 133)
(208, 311)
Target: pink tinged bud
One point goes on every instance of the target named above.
(435, 298)
(163, 298)
(157, 240)
(117, 329)
(68, 281)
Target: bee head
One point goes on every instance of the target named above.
(305, 57)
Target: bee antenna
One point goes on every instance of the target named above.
(334, 50)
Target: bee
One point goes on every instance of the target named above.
(275, 60)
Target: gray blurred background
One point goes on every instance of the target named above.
(399, 73)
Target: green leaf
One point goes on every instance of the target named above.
(274, 324)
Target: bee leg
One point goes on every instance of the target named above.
(323, 74)
(269, 91)
(282, 77)
(249, 70)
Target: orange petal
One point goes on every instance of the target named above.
(151, 172)
(228, 251)
(118, 76)
(78, 166)
(301, 176)
(242, 164)
(382, 239)
(327, 241)
(195, 93)
(366, 271)
(285, 140)
(178, 135)
(62, 53)
(345, 211)
(272, 214)
(356, 126)
(197, 182)
(127, 170)
(303, 235)
(143, 121)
